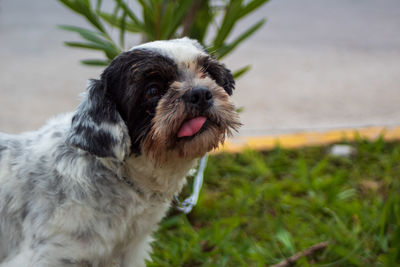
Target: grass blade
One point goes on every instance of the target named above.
(285, 238)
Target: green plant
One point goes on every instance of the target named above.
(260, 208)
(209, 22)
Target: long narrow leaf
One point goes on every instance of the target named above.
(115, 22)
(166, 18)
(117, 8)
(204, 16)
(97, 38)
(83, 8)
(91, 16)
(71, 5)
(84, 45)
(251, 6)
(156, 18)
(136, 23)
(232, 13)
(98, 5)
(122, 30)
(149, 17)
(130, 13)
(177, 18)
(238, 73)
(224, 50)
(95, 62)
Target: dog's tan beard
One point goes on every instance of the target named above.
(162, 144)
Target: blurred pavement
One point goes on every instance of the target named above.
(316, 65)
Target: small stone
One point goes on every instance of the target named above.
(341, 150)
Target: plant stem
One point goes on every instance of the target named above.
(190, 17)
(307, 252)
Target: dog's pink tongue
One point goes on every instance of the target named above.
(191, 127)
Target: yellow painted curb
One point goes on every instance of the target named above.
(237, 144)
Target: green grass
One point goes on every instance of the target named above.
(258, 208)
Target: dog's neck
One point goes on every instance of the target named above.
(166, 179)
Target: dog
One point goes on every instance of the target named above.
(90, 187)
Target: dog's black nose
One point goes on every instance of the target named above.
(200, 97)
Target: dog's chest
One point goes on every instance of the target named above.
(124, 222)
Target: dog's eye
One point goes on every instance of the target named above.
(152, 90)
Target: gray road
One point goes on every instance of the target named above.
(316, 64)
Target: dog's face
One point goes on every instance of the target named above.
(172, 96)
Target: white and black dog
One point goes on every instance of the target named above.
(89, 188)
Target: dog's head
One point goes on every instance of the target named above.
(164, 99)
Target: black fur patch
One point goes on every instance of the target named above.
(98, 142)
(88, 132)
(127, 79)
(24, 211)
(218, 72)
(120, 93)
(83, 235)
(72, 262)
(2, 148)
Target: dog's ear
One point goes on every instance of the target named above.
(228, 81)
(97, 127)
(222, 75)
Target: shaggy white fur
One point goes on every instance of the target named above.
(81, 191)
